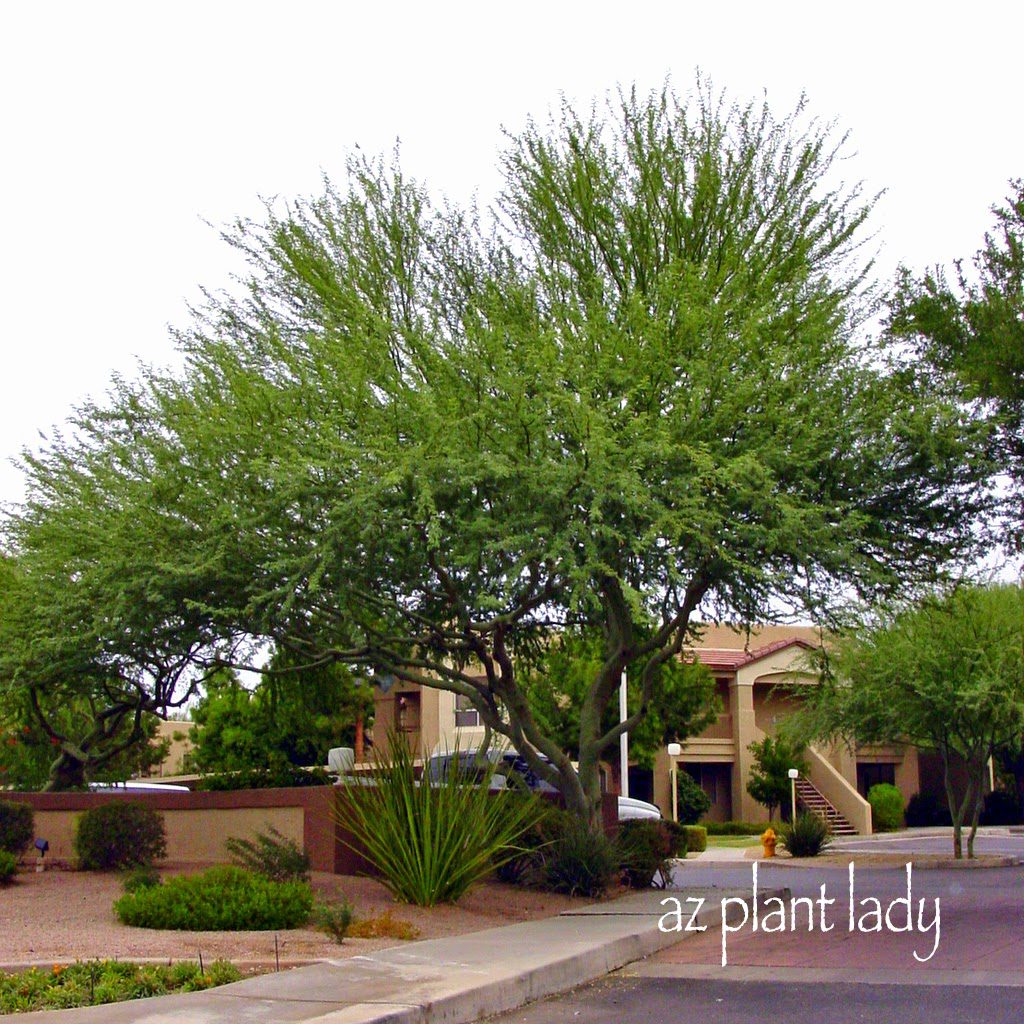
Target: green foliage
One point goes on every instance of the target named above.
(678, 834)
(947, 674)
(808, 836)
(925, 810)
(408, 442)
(1001, 808)
(279, 776)
(644, 849)
(769, 781)
(683, 700)
(292, 718)
(886, 807)
(119, 834)
(580, 861)
(32, 743)
(17, 826)
(333, 918)
(8, 867)
(219, 899)
(142, 877)
(692, 802)
(432, 842)
(272, 855)
(526, 866)
(696, 838)
(972, 333)
(106, 981)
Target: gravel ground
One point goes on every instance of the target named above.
(63, 916)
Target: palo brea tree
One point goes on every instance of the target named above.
(422, 441)
(101, 629)
(947, 674)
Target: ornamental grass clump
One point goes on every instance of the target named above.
(808, 836)
(432, 842)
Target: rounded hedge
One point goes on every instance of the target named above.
(886, 807)
(696, 838)
(17, 827)
(220, 899)
(119, 835)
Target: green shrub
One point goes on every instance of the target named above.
(8, 867)
(142, 877)
(808, 836)
(220, 899)
(886, 807)
(526, 866)
(17, 827)
(119, 835)
(644, 848)
(580, 861)
(432, 842)
(923, 809)
(1001, 808)
(696, 838)
(692, 803)
(106, 981)
(333, 918)
(272, 855)
(288, 776)
(678, 834)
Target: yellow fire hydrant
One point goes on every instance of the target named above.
(768, 841)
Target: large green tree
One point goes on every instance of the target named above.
(972, 329)
(947, 674)
(293, 717)
(420, 439)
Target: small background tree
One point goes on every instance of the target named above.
(769, 781)
(946, 674)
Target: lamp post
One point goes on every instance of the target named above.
(623, 739)
(793, 775)
(674, 750)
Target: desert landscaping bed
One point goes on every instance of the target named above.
(63, 916)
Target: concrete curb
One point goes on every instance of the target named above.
(440, 981)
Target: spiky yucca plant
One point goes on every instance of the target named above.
(432, 842)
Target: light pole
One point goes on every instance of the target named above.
(674, 750)
(793, 775)
(623, 739)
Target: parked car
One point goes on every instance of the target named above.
(508, 769)
(136, 787)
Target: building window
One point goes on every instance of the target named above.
(466, 716)
(407, 712)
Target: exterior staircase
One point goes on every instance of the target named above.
(809, 798)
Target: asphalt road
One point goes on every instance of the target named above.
(803, 976)
(651, 1000)
(1011, 845)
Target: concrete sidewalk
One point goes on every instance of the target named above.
(454, 980)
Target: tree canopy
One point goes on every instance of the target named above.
(946, 674)
(421, 439)
(973, 329)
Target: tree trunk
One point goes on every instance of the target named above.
(66, 773)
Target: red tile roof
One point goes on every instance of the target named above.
(732, 659)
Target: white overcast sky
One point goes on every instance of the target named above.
(127, 128)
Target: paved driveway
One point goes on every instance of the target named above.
(981, 921)
(990, 842)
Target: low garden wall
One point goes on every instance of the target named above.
(198, 823)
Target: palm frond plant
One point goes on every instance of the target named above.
(432, 842)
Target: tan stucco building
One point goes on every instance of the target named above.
(759, 674)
